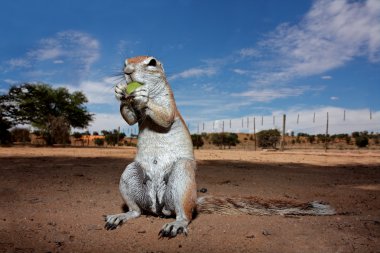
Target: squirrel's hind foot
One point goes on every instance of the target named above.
(173, 229)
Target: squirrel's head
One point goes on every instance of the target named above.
(144, 69)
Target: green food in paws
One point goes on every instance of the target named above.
(132, 86)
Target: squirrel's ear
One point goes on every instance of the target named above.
(152, 63)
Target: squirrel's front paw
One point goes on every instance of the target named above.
(140, 98)
(120, 91)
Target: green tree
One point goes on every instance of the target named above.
(197, 140)
(217, 139)
(60, 130)
(5, 135)
(231, 140)
(6, 111)
(45, 108)
(268, 138)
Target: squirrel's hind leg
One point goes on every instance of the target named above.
(133, 191)
(180, 197)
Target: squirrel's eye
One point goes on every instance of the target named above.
(152, 63)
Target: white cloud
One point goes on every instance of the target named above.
(97, 92)
(194, 72)
(326, 77)
(331, 34)
(125, 47)
(17, 63)
(39, 73)
(77, 48)
(248, 52)
(242, 71)
(334, 98)
(269, 94)
(10, 81)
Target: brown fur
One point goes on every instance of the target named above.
(258, 206)
(137, 59)
(189, 198)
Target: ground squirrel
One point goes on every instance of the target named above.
(161, 180)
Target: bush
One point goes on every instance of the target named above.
(5, 135)
(217, 138)
(323, 138)
(224, 139)
(99, 142)
(112, 137)
(268, 138)
(361, 141)
(311, 139)
(232, 139)
(197, 140)
(355, 134)
(77, 135)
(20, 135)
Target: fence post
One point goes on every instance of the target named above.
(327, 132)
(254, 130)
(283, 132)
(118, 133)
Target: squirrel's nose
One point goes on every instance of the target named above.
(129, 69)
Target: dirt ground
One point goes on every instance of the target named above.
(53, 199)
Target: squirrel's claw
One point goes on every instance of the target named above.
(172, 230)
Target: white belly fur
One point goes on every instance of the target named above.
(157, 152)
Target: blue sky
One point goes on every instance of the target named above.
(224, 60)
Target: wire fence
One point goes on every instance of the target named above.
(337, 121)
(296, 126)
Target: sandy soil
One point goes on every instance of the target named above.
(53, 199)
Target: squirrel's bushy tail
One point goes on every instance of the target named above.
(257, 206)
